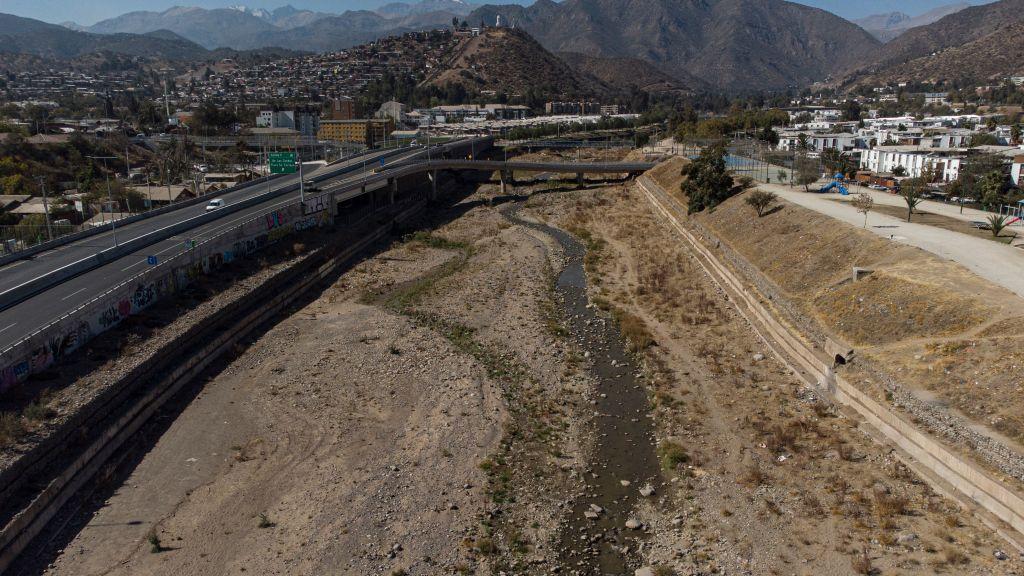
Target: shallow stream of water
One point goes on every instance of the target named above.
(624, 449)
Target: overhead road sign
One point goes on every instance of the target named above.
(282, 162)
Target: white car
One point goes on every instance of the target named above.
(215, 204)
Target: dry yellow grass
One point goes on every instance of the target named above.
(884, 308)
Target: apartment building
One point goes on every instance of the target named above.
(305, 122)
(367, 131)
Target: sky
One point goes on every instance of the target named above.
(92, 11)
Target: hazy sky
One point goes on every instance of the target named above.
(91, 11)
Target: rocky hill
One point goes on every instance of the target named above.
(989, 59)
(27, 36)
(509, 61)
(732, 44)
(974, 43)
(625, 74)
(287, 27)
(887, 26)
(956, 29)
(209, 28)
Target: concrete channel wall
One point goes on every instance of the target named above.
(125, 406)
(972, 485)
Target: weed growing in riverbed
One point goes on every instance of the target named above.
(155, 547)
(672, 454)
(11, 428)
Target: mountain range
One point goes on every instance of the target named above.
(887, 26)
(976, 43)
(730, 45)
(737, 45)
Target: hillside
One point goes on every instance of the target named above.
(732, 44)
(957, 29)
(624, 74)
(27, 36)
(287, 27)
(887, 26)
(509, 61)
(209, 28)
(988, 59)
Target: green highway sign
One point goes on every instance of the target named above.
(282, 162)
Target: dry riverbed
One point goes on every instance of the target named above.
(462, 403)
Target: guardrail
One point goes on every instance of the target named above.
(28, 289)
(74, 237)
(41, 283)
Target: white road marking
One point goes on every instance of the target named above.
(6, 327)
(72, 294)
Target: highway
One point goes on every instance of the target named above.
(25, 317)
(21, 271)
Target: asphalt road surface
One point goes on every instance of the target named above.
(35, 312)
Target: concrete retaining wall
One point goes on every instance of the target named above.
(127, 405)
(57, 242)
(64, 335)
(968, 480)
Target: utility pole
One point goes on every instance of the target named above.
(46, 207)
(110, 199)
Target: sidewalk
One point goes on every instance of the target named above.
(940, 208)
(998, 263)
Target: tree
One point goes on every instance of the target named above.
(760, 200)
(1015, 135)
(769, 135)
(455, 22)
(899, 171)
(911, 190)
(997, 223)
(782, 174)
(834, 160)
(707, 182)
(802, 143)
(863, 202)
(992, 186)
(806, 172)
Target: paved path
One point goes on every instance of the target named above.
(935, 207)
(998, 263)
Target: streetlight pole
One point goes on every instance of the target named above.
(110, 199)
(46, 207)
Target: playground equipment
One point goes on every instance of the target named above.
(1014, 213)
(838, 183)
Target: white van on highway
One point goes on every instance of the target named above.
(215, 204)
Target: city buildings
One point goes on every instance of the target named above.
(304, 121)
(367, 131)
(340, 108)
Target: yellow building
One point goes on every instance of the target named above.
(368, 131)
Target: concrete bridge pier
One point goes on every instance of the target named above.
(579, 179)
(392, 190)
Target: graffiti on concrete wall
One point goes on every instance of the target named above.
(66, 336)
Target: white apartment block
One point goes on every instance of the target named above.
(884, 160)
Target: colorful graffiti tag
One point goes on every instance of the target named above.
(39, 354)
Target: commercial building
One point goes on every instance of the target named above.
(368, 131)
(341, 108)
(393, 110)
(305, 122)
(580, 108)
